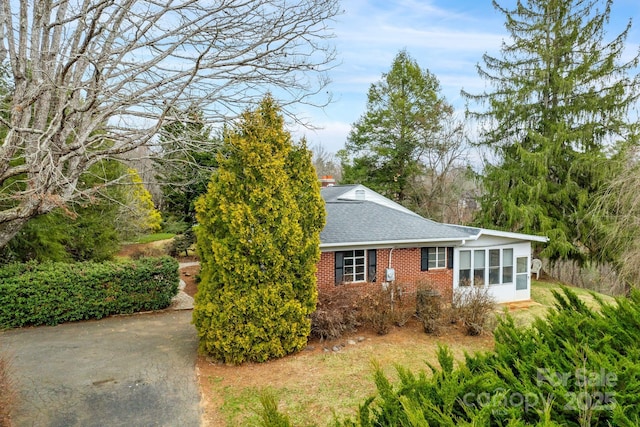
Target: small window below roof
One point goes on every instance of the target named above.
(360, 195)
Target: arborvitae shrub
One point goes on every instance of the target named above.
(258, 239)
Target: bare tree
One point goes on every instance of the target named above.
(325, 162)
(619, 205)
(444, 189)
(93, 79)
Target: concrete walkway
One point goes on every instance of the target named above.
(134, 370)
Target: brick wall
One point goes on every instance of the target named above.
(406, 263)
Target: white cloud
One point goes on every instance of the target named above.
(447, 38)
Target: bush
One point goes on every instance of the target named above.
(268, 412)
(576, 367)
(182, 243)
(473, 306)
(336, 314)
(429, 309)
(258, 239)
(53, 293)
(382, 308)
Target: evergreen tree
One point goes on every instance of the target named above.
(76, 231)
(188, 158)
(402, 125)
(91, 230)
(138, 214)
(258, 241)
(560, 103)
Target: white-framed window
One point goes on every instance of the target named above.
(434, 258)
(479, 265)
(465, 268)
(507, 266)
(355, 266)
(494, 266)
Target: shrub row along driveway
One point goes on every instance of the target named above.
(134, 370)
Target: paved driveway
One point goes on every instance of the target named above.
(134, 370)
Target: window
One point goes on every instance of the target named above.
(355, 266)
(432, 258)
(465, 268)
(478, 267)
(507, 266)
(494, 266)
(476, 263)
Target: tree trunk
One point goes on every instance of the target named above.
(9, 229)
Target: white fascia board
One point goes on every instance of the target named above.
(511, 235)
(327, 247)
(508, 234)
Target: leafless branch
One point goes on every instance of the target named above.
(94, 79)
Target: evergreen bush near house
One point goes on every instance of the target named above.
(576, 367)
(258, 240)
(53, 293)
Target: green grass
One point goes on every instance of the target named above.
(542, 296)
(149, 238)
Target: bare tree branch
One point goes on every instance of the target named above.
(94, 79)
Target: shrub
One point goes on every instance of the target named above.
(335, 315)
(473, 306)
(429, 309)
(381, 308)
(269, 414)
(52, 293)
(576, 367)
(182, 243)
(258, 239)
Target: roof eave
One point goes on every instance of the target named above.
(390, 243)
(512, 235)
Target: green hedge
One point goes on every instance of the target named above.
(53, 293)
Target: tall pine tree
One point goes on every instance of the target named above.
(402, 124)
(556, 121)
(258, 237)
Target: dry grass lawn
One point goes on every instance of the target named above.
(318, 384)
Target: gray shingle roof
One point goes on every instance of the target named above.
(365, 221)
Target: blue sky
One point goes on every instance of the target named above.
(446, 37)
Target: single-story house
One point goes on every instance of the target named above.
(370, 240)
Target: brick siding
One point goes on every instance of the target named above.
(406, 263)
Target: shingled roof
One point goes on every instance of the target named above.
(358, 216)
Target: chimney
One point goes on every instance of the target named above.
(327, 181)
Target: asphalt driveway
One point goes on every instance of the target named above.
(134, 370)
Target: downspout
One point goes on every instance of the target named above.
(385, 273)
